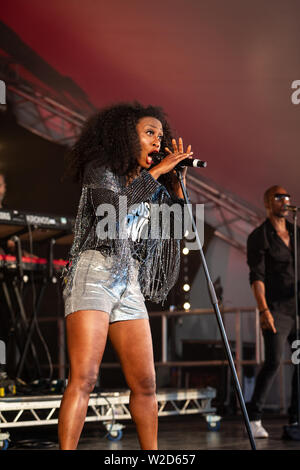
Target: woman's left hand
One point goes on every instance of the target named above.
(177, 150)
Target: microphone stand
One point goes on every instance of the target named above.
(293, 432)
(215, 305)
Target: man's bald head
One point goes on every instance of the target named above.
(273, 206)
(269, 193)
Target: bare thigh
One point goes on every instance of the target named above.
(132, 341)
(86, 336)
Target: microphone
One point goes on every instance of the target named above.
(193, 162)
(291, 208)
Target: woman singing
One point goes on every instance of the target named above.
(109, 276)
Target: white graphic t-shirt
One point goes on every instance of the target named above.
(137, 222)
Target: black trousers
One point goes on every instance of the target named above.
(274, 344)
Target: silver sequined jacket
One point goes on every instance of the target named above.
(158, 256)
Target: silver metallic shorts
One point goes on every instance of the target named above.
(92, 290)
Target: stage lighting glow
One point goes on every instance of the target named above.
(186, 287)
(186, 305)
(185, 251)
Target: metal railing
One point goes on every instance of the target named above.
(239, 361)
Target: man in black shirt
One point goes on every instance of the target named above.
(270, 256)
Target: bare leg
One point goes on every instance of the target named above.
(133, 343)
(86, 335)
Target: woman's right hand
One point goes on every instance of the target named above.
(171, 160)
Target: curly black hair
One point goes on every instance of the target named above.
(111, 137)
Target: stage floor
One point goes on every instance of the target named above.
(175, 433)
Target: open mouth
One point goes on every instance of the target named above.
(153, 157)
(149, 159)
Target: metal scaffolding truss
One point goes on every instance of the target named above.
(105, 407)
(39, 108)
(44, 116)
(231, 217)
